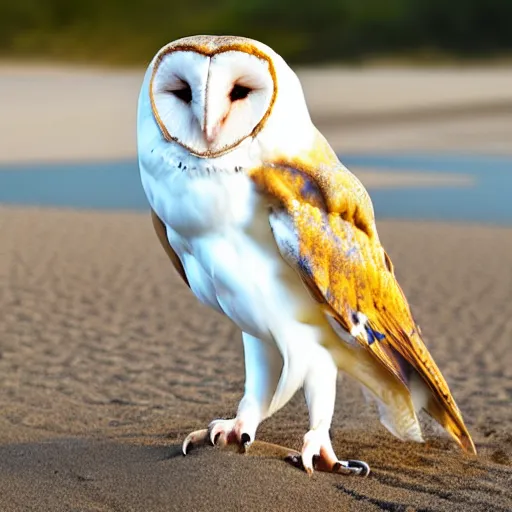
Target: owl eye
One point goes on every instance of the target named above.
(239, 92)
(184, 93)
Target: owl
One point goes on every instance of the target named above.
(267, 227)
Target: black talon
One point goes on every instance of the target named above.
(295, 461)
(246, 438)
(357, 464)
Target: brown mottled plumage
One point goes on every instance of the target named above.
(346, 269)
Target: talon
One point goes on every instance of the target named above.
(353, 467)
(245, 442)
(318, 454)
(220, 433)
(340, 468)
(193, 438)
(363, 467)
(294, 460)
(215, 434)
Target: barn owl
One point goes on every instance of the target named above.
(266, 226)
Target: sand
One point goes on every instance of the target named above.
(68, 114)
(107, 361)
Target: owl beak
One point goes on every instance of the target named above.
(211, 133)
(216, 107)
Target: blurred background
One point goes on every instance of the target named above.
(409, 92)
(117, 31)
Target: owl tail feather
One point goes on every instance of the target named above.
(446, 414)
(452, 423)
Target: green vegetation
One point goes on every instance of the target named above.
(127, 31)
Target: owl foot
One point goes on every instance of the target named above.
(219, 433)
(317, 453)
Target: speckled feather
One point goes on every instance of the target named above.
(346, 269)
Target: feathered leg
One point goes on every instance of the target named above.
(320, 394)
(263, 369)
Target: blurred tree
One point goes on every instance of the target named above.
(131, 31)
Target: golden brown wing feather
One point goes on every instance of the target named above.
(343, 264)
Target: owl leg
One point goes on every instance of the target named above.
(263, 367)
(320, 393)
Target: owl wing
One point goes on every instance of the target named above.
(323, 223)
(161, 233)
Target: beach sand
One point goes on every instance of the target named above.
(107, 361)
(57, 113)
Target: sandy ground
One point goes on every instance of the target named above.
(101, 339)
(107, 361)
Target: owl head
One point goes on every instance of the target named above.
(213, 94)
